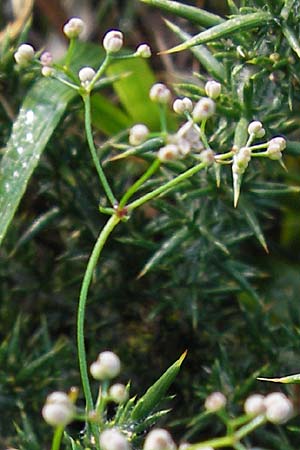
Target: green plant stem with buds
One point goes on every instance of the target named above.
(57, 437)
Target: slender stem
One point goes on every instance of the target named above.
(88, 129)
(58, 433)
(131, 191)
(103, 236)
(100, 71)
(163, 119)
(70, 52)
(246, 429)
(170, 184)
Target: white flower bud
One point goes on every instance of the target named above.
(255, 405)
(107, 366)
(160, 93)
(118, 393)
(213, 89)
(113, 439)
(159, 439)
(58, 409)
(243, 157)
(138, 134)
(279, 408)
(144, 51)
(183, 105)
(274, 150)
(215, 402)
(168, 153)
(204, 109)
(46, 59)
(113, 41)
(279, 141)
(47, 71)
(86, 74)
(73, 28)
(207, 156)
(256, 128)
(24, 54)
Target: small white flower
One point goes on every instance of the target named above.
(24, 54)
(159, 439)
(215, 402)
(168, 153)
(118, 393)
(204, 109)
(58, 409)
(243, 157)
(182, 105)
(46, 59)
(207, 156)
(138, 134)
(256, 128)
(113, 41)
(279, 141)
(107, 366)
(47, 71)
(213, 89)
(86, 74)
(279, 409)
(160, 93)
(255, 405)
(74, 27)
(144, 51)
(274, 150)
(113, 439)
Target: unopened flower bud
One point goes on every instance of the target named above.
(73, 28)
(113, 439)
(113, 41)
(58, 410)
(213, 89)
(168, 153)
(215, 402)
(159, 439)
(46, 59)
(24, 54)
(279, 408)
(118, 393)
(86, 74)
(107, 366)
(47, 71)
(255, 405)
(207, 156)
(279, 141)
(243, 157)
(160, 93)
(182, 105)
(256, 128)
(144, 51)
(274, 150)
(138, 134)
(204, 109)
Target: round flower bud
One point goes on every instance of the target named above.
(213, 89)
(118, 393)
(47, 71)
(46, 59)
(107, 366)
(279, 141)
(274, 150)
(24, 54)
(73, 28)
(160, 93)
(144, 51)
(183, 105)
(86, 74)
(138, 134)
(215, 402)
(159, 439)
(204, 109)
(256, 128)
(113, 439)
(279, 408)
(58, 409)
(243, 157)
(207, 156)
(113, 41)
(273, 398)
(255, 405)
(168, 153)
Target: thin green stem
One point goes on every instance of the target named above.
(57, 437)
(88, 129)
(103, 236)
(246, 429)
(165, 187)
(163, 119)
(131, 191)
(100, 71)
(69, 54)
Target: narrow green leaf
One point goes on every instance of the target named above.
(253, 223)
(156, 392)
(151, 145)
(291, 38)
(237, 24)
(198, 15)
(275, 190)
(107, 117)
(241, 133)
(290, 379)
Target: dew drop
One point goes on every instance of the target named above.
(7, 187)
(29, 117)
(29, 138)
(16, 174)
(20, 150)
(24, 165)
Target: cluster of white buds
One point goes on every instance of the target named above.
(46, 60)
(106, 366)
(24, 55)
(255, 405)
(159, 439)
(213, 89)
(159, 93)
(203, 109)
(118, 393)
(113, 439)
(86, 74)
(113, 41)
(143, 51)
(58, 409)
(183, 105)
(256, 128)
(73, 28)
(276, 147)
(138, 134)
(241, 160)
(215, 402)
(276, 406)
